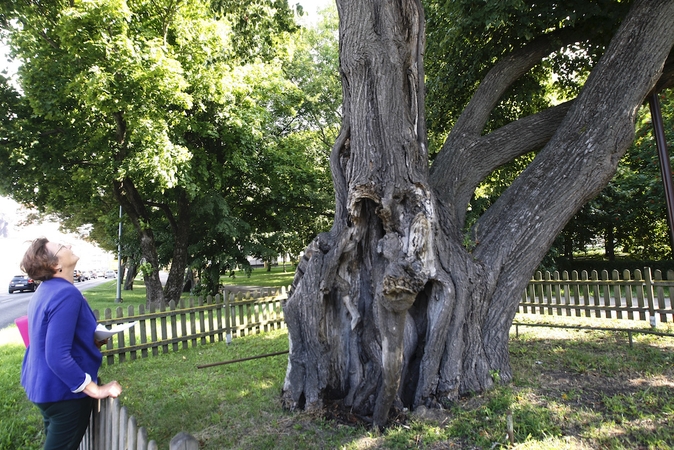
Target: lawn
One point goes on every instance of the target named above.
(103, 295)
(260, 276)
(572, 390)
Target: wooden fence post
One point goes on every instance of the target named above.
(558, 292)
(228, 317)
(174, 325)
(131, 434)
(585, 293)
(115, 429)
(649, 295)
(218, 315)
(567, 292)
(142, 438)
(183, 441)
(164, 330)
(660, 295)
(123, 426)
(153, 329)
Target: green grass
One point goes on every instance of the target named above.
(104, 295)
(573, 389)
(261, 277)
(20, 421)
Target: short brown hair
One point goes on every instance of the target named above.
(38, 262)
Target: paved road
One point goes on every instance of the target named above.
(16, 304)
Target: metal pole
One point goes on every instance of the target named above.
(665, 167)
(232, 361)
(119, 259)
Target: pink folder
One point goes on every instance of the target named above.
(22, 324)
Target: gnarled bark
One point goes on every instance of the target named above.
(393, 306)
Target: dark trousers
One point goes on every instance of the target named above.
(65, 422)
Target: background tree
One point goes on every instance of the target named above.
(301, 180)
(396, 305)
(150, 103)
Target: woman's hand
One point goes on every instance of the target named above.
(111, 389)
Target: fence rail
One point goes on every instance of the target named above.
(191, 322)
(642, 296)
(199, 321)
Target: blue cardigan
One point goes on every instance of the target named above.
(62, 357)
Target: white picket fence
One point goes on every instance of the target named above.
(111, 428)
(641, 295)
(636, 296)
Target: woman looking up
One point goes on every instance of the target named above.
(60, 367)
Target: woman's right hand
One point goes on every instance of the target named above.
(111, 389)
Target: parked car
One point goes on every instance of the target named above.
(110, 274)
(77, 276)
(22, 283)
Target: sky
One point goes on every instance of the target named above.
(312, 6)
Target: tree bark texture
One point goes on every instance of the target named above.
(395, 307)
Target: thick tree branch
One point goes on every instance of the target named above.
(517, 138)
(167, 213)
(583, 155)
(461, 150)
(506, 71)
(666, 81)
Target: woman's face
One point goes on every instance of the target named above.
(64, 254)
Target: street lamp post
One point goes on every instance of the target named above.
(119, 259)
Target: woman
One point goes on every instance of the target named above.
(60, 368)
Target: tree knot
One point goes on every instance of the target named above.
(401, 284)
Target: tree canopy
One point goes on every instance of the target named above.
(158, 106)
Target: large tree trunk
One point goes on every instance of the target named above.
(134, 206)
(180, 227)
(131, 272)
(395, 306)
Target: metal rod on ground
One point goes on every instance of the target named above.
(231, 361)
